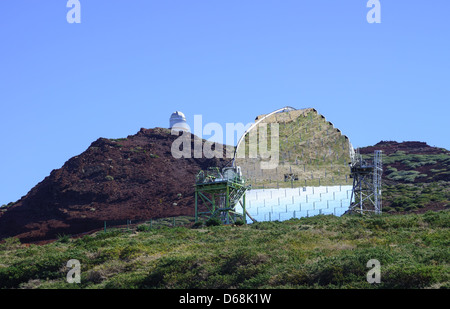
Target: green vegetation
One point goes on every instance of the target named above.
(405, 176)
(213, 222)
(165, 222)
(310, 149)
(315, 252)
(5, 206)
(416, 160)
(410, 197)
(415, 182)
(438, 165)
(137, 149)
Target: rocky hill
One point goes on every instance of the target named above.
(412, 162)
(137, 178)
(391, 147)
(134, 178)
(416, 176)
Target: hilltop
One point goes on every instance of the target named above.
(408, 147)
(137, 178)
(416, 176)
(417, 161)
(133, 178)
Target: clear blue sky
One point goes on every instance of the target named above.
(130, 64)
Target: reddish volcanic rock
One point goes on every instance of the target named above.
(136, 178)
(390, 147)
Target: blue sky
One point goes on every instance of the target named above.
(130, 64)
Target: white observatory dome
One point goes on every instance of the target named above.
(178, 122)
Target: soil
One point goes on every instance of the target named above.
(391, 147)
(136, 178)
(427, 171)
(433, 171)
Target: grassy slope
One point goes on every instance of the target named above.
(415, 182)
(316, 252)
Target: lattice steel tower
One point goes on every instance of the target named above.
(218, 192)
(366, 193)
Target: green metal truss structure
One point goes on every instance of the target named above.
(219, 194)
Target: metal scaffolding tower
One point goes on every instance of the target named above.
(219, 193)
(366, 193)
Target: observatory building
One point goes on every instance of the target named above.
(178, 122)
(311, 175)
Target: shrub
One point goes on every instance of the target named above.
(401, 202)
(197, 224)
(175, 272)
(130, 252)
(436, 219)
(110, 233)
(409, 276)
(45, 266)
(63, 238)
(7, 205)
(405, 221)
(376, 223)
(213, 222)
(143, 228)
(408, 176)
(10, 243)
(314, 252)
(239, 222)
